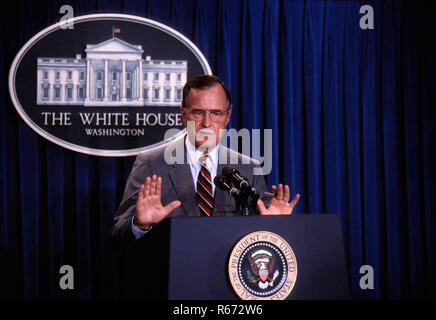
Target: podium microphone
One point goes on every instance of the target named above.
(239, 180)
(222, 183)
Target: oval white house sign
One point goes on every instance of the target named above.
(111, 86)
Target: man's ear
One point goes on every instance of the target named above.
(228, 116)
(183, 113)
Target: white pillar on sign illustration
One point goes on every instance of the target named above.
(124, 80)
(141, 98)
(91, 81)
(88, 78)
(135, 82)
(106, 80)
(132, 85)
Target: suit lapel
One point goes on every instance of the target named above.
(181, 178)
(222, 199)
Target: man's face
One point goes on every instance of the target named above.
(208, 109)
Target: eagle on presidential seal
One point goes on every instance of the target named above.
(262, 266)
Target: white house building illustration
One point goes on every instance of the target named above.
(112, 74)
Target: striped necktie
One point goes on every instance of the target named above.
(204, 188)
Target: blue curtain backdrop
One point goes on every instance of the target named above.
(353, 120)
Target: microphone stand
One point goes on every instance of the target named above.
(255, 197)
(242, 206)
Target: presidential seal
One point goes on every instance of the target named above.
(262, 266)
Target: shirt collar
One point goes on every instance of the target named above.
(195, 154)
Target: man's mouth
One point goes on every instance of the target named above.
(205, 134)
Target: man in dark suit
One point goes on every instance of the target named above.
(157, 189)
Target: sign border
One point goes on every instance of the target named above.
(95, 17)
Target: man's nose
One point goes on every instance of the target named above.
(206, 120)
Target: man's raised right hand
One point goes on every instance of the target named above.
(149, 208)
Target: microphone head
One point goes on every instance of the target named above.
(234, 175)
(221, 182)
(228, 171)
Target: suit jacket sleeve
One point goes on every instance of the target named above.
(121, 231)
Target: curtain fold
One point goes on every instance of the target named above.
(353, 125)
